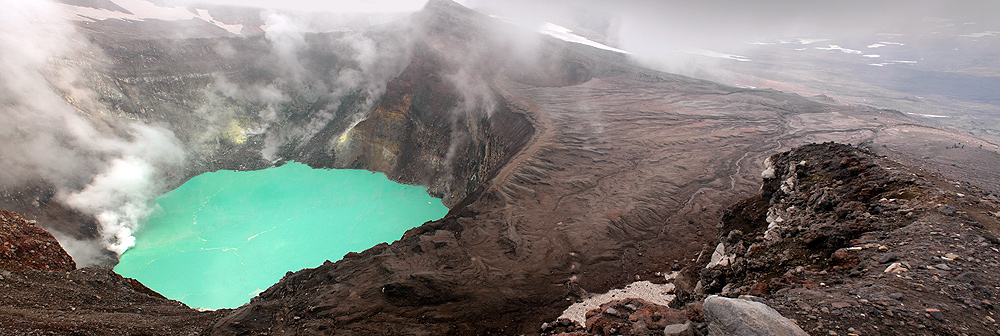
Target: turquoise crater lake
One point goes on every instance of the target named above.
(223, 237)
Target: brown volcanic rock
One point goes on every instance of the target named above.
(815, 200)
(44, 293)
(91, 301)
(24, 246)
(844, 240)
(426, 130)
(633, 317)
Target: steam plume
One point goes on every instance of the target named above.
(56, 131)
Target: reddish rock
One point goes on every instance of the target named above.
(24, 246)
(843, 258)
(935, 313)
(632, 317)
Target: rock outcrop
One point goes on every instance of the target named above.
(45, 294)
(633, 317)
(737, 317)
(844, 241)
(814, 201)
(440, 123)
(25, 246)
(714, 316)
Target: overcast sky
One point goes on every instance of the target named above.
(698, 19)
(337, 6)
(761, 10)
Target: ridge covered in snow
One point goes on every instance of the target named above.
(567, 35)
(141, 10)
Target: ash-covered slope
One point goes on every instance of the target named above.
(841, 241)
(45, 294)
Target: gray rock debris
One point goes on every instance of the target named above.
(720, 258)
(737, 317)
(683, 329)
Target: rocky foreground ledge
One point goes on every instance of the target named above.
(841, 242)
(838, 242)
(24, 246)
(43, 293)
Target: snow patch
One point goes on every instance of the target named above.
(841, 49)
(714, 54)
(654, 293)
(983, 34)
(768, 172)
(811, 41)
(503, 18)
(567, 35)
(719, 257)
(873, 56)
(144, 10)
(802, 41)
(928, 115)
(892, 62)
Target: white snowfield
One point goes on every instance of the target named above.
(800, 41)
(928, 115)
(983, 34)
(803, 41)
(144, 10)
(841, 49)
(893, 62)
(884, 43)
(709, 53)
(567, 35)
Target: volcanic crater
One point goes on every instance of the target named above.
(567, 172)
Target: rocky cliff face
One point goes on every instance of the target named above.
(29, 247)
(814, 201)
(844, 241)
(410, 99)
(389, 100)
(428, 128)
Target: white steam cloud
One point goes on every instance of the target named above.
(57, 132)
(363, 73)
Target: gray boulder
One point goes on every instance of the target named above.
(737, 317)
(684, 329)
